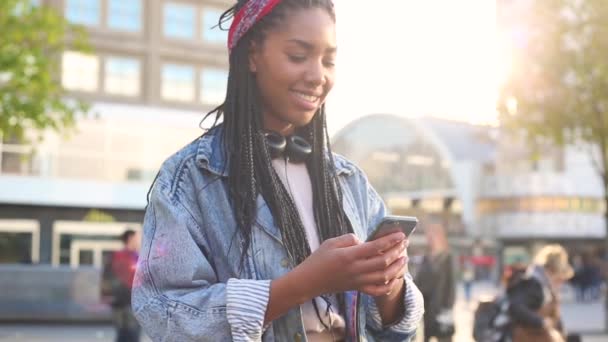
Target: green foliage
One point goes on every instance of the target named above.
(559, 73)
(95, 215)
(32, 39)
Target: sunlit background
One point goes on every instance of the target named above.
(414, 106)
(435, 57)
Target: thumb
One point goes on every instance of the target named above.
(346, 240)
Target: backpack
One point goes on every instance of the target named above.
(491, 320)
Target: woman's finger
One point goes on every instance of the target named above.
(384, 276)
(379, 246)
(381, 290)
(382, 261)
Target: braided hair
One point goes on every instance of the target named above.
(250, 170)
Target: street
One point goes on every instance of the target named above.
(585, 318)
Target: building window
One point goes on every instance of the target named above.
(80, 72)
(213, 86)
(21, 8)
(15, 248)
(179, 21)
(19, 242)
(210, 32)
(86, 243)
(122, 76)
(125, 15)
(85, 12)
(177, 83)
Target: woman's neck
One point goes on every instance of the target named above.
(273, 123)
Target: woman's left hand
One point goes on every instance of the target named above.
(391, 303)
(396, 282)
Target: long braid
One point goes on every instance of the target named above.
(250, 170)
(327, 194)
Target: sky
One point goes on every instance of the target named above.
(416, 57)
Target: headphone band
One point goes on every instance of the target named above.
(294, 147)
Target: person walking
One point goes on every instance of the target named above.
(122, 271)
(435, 279)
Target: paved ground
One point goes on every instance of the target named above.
(56, 333)
(584, 318)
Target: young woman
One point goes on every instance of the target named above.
(255, 230)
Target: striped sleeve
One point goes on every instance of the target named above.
(246, 302)
(414, 309)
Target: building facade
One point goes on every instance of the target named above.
(494, 193)
(425, 167)
(156, 67)
(552, 195)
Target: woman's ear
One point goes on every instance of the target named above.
(253, 57)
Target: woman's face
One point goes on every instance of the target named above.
(294, 68)
(556, 280)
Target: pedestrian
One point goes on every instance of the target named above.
(534, 300)
(468, 276)
(122, 271)
(576, 280)
(436, 281)
(255, 231)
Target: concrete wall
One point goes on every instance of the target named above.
(45, 293)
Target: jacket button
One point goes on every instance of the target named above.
(297, 337)
(284, 263)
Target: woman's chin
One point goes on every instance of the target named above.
(304, 119)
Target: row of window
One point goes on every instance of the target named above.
(180, 20)
(178, 83)
(73, 243)
(122, 76)
(541, 204)
(124, 15)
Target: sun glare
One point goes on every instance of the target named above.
(412, 57)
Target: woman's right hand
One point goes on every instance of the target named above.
(345, 263)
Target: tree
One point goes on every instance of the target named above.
(32, 40)
(557, 90)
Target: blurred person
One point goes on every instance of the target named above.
(435, 279)
(255, 230)
(588, 277)
(468, 276)
(594, 290)
(122, 271)
(534, 300)
(514, 272)
(575, 281)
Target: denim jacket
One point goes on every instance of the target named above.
(189, 283)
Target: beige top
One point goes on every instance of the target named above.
(296, 180)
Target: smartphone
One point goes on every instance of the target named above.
(392, 224)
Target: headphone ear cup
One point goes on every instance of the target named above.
(298, 149)
(276, 144)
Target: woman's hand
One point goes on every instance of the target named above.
(395, 285)
(345, 263)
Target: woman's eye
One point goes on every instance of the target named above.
(330, 63)
(297, 59)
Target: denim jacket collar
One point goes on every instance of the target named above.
(210, 154)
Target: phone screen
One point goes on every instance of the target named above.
(392, 224)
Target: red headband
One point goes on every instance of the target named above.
(252, 12)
